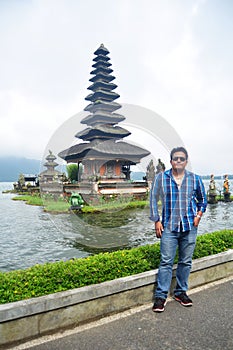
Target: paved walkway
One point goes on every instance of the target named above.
(207, 325)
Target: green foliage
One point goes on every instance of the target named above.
(61, 205)
(56, 207)
(213, 243)
(115, 205)
(72, 171)
(21, 181)
(60, 276)
(50, 203)
(30, 199)
(54, 203)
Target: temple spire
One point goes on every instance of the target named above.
(103, 97)
(103, 152)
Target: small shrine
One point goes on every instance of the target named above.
(26, 182)
(105, 157)
(51, 180)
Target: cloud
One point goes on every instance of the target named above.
(27, 124)
(173, 57)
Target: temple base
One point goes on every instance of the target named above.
(93, 192)
(227, 197)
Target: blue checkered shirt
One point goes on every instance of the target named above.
(179, 205)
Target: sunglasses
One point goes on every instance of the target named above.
(182, 159)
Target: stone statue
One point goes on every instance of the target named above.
(226, 189)
(212, 186)
(160, 167)
(76, 201)
(212, 192)
(150, 171)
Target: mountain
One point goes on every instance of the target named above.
(12, 167)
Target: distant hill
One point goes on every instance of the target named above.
(12, 167)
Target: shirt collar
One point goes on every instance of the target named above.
(169, 173)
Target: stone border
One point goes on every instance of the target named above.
(27, 319)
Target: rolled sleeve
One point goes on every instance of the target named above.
(154, 197)
(201, 196)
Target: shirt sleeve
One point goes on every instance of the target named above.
(154, 197)
(201, 195)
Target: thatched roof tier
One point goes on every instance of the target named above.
(102, 77)
(102, 58)
(102, 117)
(103, 132)
(101, 64)
(105, 150)
(102, 95)
(102, 85)
(102, 69)
(102, 105)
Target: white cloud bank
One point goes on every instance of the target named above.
(172, 56)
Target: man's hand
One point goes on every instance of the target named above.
(158, 229)
(196, 221)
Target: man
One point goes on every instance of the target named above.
(183, 203)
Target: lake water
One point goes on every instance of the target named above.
(30, 236)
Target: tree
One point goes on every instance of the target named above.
(74, 172)
(21, 181)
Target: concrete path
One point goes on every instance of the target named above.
(207, 325)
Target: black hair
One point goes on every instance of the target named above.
(179, 149)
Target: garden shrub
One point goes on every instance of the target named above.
(63, 275)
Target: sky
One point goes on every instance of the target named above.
(170, 57)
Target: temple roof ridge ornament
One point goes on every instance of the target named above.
(50, 160)
(101, 50)
(50, 165)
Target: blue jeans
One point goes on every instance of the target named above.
(185, 241)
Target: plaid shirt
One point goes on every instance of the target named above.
(179, 206)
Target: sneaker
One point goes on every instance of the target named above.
(183, 299)
(159, 305)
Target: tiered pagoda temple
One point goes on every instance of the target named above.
(104, 155)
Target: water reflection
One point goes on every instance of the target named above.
(108, 219)
(226, 214)
(212, 211)
(106, 231)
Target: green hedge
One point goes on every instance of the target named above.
(60, 276)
